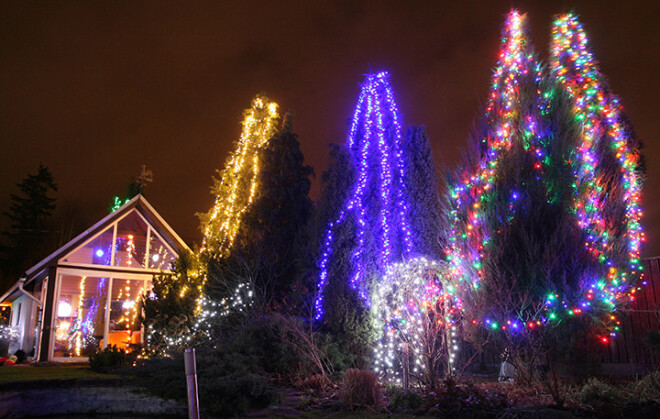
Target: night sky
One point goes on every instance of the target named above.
(95, 90)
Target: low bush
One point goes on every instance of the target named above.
(314, 382)
(225, 385)
(643, 390)
(405, 400)
(360, 389)
(596, 390)
(236, 394)
(109, 358)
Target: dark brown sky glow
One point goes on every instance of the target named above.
(94, 90)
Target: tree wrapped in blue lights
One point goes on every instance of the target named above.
(377, 205)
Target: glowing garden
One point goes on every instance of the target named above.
(536, 238)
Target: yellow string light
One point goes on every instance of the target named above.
(239, 181)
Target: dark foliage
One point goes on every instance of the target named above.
(347, 333)
(405, 400)
(423, 195)
(109, 358)
(28, 232)
(235, 375)
(169, 311)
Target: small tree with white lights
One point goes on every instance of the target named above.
(415, 309)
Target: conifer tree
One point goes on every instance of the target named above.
(609, 169)
(238, 182)
(269, 240)
(538, 268)
(376, 205)
(422, 194)
(27, 233)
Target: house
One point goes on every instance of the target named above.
(86, 294)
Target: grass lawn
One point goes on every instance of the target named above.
(29, 373)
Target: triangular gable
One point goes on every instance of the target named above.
(130, 241)
(95, 245)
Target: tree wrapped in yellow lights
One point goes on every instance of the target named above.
(238, 182)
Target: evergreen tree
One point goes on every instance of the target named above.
(422, 194)
(170, 310)
(540, 270)
(268, 245)
(346, 327)
(609, 168)
(486, 191)
(238, 182)
(376, 204)
(28, 230)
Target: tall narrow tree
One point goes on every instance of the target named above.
(511, 116)
(608, 167)
(269, 240)
(28, 216)
(238, 182)
(422, 194)
(377, 204)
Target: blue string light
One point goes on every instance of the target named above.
(381, 227)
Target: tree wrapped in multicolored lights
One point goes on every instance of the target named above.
(485, 195)
(608, 168)
(544, 212)
(377, 205)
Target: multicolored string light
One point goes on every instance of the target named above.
(596, 190)
(239, 180)
(470, 235)
(599, 188)
(374, 144)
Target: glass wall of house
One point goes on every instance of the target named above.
(80, 315)
(129, 242)
(94, 311)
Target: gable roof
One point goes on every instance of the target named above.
(139, 203)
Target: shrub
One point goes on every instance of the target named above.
(235, 394)
(595, 390)
(224, 384)
(361, 389)
(109, 358)
(314, 382)
(405, 400)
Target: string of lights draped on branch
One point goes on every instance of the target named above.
(239, 180)
(600, 187)
(377, 205)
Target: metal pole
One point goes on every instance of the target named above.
(191, 382)
(406, 365)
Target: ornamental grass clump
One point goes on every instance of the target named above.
(361, 389)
